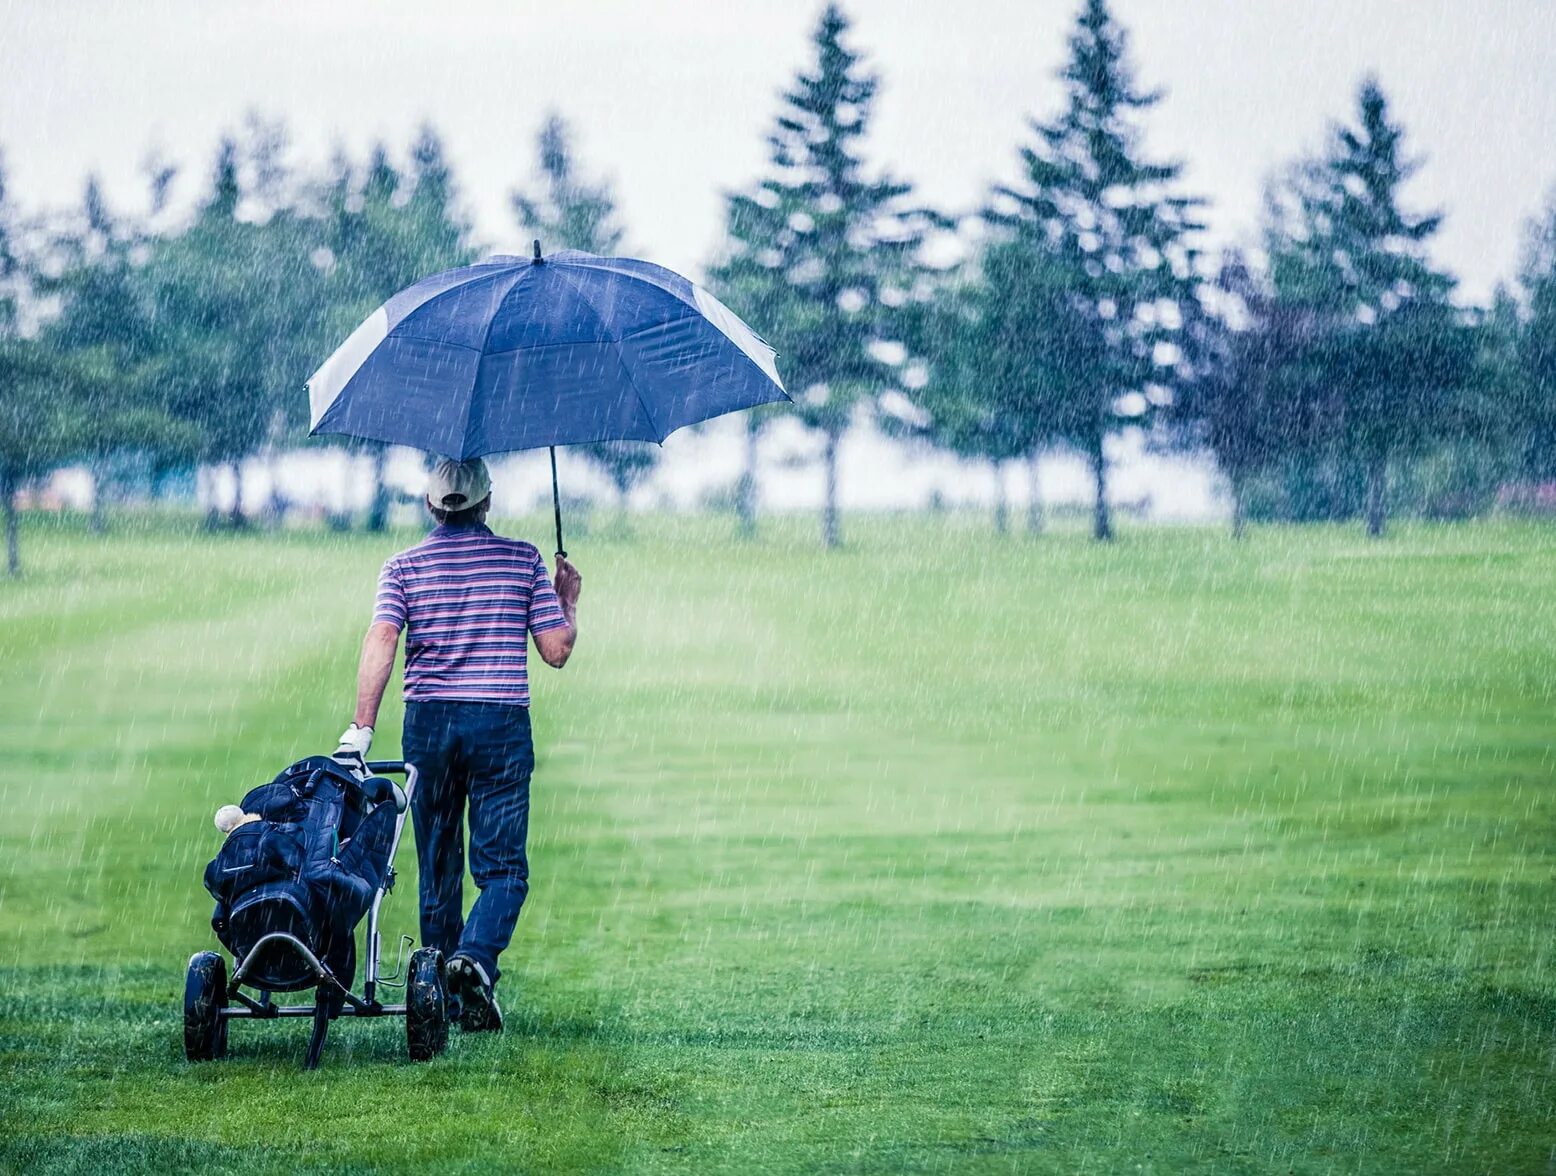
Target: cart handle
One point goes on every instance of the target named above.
(378, 767)
(402, 767)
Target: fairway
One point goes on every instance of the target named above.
(939, 853)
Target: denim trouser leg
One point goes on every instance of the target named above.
(438, 815)
(480, 753)
(501, 757)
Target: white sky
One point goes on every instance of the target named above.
(672, 99)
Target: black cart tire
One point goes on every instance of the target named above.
(205, 995)
(426, 1005)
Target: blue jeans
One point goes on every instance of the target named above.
(478, 753)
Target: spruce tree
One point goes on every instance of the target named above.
(238, 308)
(53, 403)
(1094, 255)
(101, 327)
(1533, 374)
(31, 423)
(821, 254)
(567, 210)
(1389, 357)
(1232, 397)
(384, 231)
(966, 403)
(437, 232)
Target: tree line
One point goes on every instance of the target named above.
(1328, 368)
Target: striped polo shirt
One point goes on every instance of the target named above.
(467, 600)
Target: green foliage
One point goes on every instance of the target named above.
(626, 463)
(1387, 358)
(983, 395)
(104, 327)
(1093, 261)
(56, 401)
(236, 306)
(821, 255)
(1237, 395)
(1530, 380)
(383, 230)
(566, 210)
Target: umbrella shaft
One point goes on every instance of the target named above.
(556, 505)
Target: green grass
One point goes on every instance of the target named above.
(935, 854)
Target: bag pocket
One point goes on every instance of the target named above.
(252, 855)
(277, 802)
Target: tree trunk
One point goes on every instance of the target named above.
(1102, 522)
(1035, 502)
(237, 519)
(831, 534)
(1001, 502)
(13, 548)
(271, 511)
(378, 510)
(746, 488)
(1377, 495)
(97, 521)
(1239, 505)
(624, 519)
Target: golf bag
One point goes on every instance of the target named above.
(309, 868)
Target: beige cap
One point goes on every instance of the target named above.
(455, 485)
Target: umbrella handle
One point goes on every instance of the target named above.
(556, 506)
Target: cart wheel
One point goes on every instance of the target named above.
(205, 995)
(426, 1005)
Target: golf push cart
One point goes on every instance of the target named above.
(313, 852)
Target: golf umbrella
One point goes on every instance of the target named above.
(534, 352)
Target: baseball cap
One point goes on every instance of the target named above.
(456, 485)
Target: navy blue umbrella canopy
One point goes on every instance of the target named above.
(523, 353)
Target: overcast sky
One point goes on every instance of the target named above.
(671, 99)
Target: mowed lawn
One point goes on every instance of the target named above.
(939, 853)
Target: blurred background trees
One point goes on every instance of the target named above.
(1097, 249)
(822, 256)
(566, 210)
(1387, 356)
(1330, 368)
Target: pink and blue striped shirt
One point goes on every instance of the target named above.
(468, 601)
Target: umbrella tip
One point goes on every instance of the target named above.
(537, 248)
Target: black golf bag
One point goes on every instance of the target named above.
(309, 868)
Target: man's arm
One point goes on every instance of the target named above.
(383, 637)
(556, 645)
(378, 650)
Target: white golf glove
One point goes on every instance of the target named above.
(355, 742)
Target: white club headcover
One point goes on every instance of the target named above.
(230, 816)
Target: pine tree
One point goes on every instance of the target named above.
(49, 401)
(385, 231)
(965, 403)
(821, 254)
(566, 210)
(438, 232)
(102, 328)
(1097, 255)
(1234, 396)
(238, 310)
(1390, 357)
(25, 440)
(1533, 373)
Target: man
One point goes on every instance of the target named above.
(467, 600)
